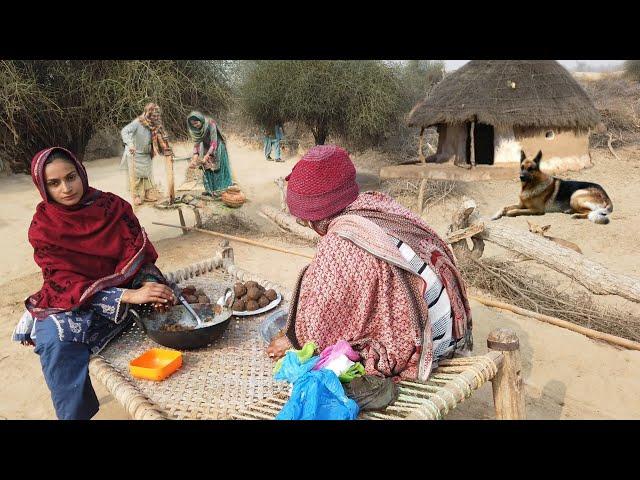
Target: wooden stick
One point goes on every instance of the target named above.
(611, 147)
(170, 178)
(423, 185)
(237, 239)
(420, 154)
(508, 384)
(473, 147)
(182, 222)
(605, 337)
(131, 161)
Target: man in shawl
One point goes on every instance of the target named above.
(209, 153)
(96, 261)
(144, 138)
(381, 279)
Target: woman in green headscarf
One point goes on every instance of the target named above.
(209, 153)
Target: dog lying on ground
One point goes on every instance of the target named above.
(542, 231)
(542, 193)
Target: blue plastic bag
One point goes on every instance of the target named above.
(316, 395)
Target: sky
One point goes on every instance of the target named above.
(569, 64)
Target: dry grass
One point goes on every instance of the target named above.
(514, 285)
(436, 191)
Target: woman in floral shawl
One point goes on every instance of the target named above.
(96, 260)
(209, 152)
(381, 279)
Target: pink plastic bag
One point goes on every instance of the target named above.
(341, 347)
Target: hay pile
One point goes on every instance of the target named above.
(512, 284)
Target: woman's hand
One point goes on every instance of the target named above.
(151, 292)
(132, 150)
(194, 161)
(278, 347)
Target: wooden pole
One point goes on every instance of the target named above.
(588, 332)
(170, 178)
(473, 146)
(508, 384)
(131, 162)
(423, 185)
(182, 222)
(237, 239)
(420, 154)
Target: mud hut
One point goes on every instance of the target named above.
(488, 110)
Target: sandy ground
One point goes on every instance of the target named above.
(567, 375)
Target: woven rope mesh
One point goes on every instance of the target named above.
(214, 381)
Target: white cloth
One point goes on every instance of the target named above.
(339, 365)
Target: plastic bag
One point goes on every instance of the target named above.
(316, 395)
(341, 347)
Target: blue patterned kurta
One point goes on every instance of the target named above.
(95, 325)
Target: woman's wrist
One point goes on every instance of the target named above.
(126, 295)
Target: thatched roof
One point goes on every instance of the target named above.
(545, 95)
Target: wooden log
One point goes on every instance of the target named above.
(420, 154)
(594, 276)
(508, 384)
(464, 233)
(289, 223)
(170, 178)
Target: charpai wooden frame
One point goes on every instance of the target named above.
(450, 384)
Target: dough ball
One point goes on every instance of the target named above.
(271, 294)
(252, 305)
(264, 301)
(254, 293)
(239, 305)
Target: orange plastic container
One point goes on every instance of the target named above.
(156, 364)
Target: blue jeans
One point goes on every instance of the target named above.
(272, 143)
(66, 370)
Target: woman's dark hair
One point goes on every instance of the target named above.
(59, 155)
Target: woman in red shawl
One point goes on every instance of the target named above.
(381, 278)
(96, 260)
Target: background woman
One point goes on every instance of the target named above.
(144, 138)
(209, 153)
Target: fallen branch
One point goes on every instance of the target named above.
(592, 275)
(611, 147)
(622, 342)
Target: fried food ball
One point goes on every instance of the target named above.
(239, 305)
(250, 284)
(189, 290)
(254, 294)
(263, 301)
(239, 290)
(191, 298)
(271, 294)
(252, 305)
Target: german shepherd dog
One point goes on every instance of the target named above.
(542, 193)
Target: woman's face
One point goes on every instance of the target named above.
(196, 123)
(63, 183)
(154, 115)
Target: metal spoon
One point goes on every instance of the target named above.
(191, 310)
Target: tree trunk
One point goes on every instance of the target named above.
(593, 276)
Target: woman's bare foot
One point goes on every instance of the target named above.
(137, 200)
(278, 347)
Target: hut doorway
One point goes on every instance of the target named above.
(483, 146)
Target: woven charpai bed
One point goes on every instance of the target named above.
(232, 379)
